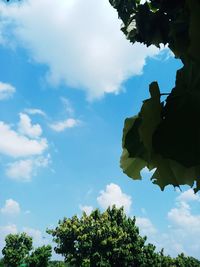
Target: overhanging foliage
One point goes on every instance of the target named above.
(165, 135)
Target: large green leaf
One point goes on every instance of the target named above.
(130, 162)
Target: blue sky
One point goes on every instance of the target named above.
(68, 80)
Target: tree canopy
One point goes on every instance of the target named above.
(102, 239)
(40, 257)
(18, 251)
(165, 135)
(109, 239)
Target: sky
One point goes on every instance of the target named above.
(68, 79)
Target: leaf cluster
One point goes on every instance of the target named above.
(165, 135)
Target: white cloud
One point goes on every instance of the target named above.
(145, 226)
(11, 207)
(60, 126)
(81, 51)
(184, 226)
(16, 145)
(113, 195)
(23, 170)
(86, 209)
(182, 217)
(188, 196)
(25, 127)
(35, 111)
(6, 90)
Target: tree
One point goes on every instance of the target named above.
(103, 239)
(16, 249)
(165, 134)
(40, 257)
(184, 261)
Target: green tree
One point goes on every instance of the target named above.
(103, 239)
(165, 134)
(16, 250)
(40, 257)
(184, 261)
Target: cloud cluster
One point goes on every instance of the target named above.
(14, 144)
(81, 51)
(183, 231)
(26, 145)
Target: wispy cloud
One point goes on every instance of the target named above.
(6, 90)
(60, 126)
(24, 170)
(35, 111)
(11, 207)
(67, 106)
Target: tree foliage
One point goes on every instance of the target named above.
(109, 239)
(165, 135)
(100, 239)
(16, 250)
(103, 239)
(40, 257)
